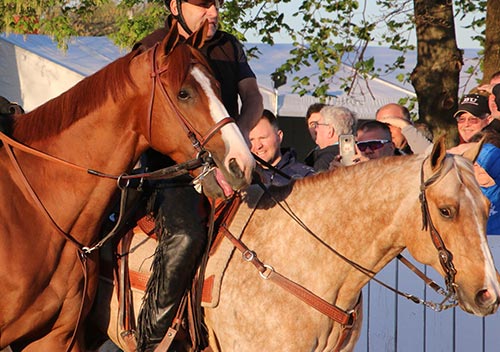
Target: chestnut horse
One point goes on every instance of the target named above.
(52, 203)
(331, 233)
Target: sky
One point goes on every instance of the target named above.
(463, 36)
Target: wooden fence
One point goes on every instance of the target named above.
(393, 323)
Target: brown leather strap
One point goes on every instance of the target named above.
(346, 331)
(215, 129)
(169, 337)
(268, 272)
(420, 274)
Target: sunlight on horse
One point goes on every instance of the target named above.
(52, 208)
(369, 213)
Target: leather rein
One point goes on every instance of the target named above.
(347, 318)
(198, 141)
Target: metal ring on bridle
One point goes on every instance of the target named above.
(120, 179)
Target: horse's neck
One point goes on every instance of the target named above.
(104, 140)
(364, 214)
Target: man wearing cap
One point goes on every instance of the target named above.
(472, 116)
(180, 212)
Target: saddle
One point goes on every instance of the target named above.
(134, 255)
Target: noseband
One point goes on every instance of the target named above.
(197, 139)
(445, 256)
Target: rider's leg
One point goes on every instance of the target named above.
(182, 228)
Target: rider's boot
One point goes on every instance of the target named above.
(182, 241)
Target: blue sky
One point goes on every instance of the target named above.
(463, 35)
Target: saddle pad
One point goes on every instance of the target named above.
(219, 260)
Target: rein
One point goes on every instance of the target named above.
(445, 256)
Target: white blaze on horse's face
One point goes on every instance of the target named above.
(490, 279)
(486, 300)
(236, 147)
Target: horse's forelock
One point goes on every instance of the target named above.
(86, 96)
(179, 61)
(465, 171)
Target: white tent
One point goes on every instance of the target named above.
(33, 69)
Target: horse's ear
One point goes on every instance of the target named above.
(473, 151)
(198, 38)
(438, 154)
(171, 39)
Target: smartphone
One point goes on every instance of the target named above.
(347, 149)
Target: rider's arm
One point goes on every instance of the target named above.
(251, 105)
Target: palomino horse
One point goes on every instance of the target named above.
(52, 207)
(331, 233)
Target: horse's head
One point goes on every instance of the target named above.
(454, 213)
(186, 91)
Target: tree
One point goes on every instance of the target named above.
(330, 32)
(491, 40)
(439, 61)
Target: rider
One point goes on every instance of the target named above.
(180, 211)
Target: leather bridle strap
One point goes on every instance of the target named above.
(429, 282)
(267, 272)
(9, 142)
(197, 139)
(445, 256)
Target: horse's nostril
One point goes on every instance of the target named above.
(235, 169)
(485, 298)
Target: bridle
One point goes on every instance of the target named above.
(198, 141)
(445, 256)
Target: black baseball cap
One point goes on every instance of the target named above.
(474, 104)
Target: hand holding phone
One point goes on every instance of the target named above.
(347, 148)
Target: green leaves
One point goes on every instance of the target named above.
(325, 33)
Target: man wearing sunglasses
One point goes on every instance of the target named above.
(182, 217)
(374, 141)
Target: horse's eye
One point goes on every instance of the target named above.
(183, 95)
(446, 212)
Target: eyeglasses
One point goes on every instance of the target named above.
(206, 3)
(315, 124)
(373, 144)
(472, 120)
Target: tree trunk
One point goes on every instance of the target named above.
(492, 40)
(439, 61)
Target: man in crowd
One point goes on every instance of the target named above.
(325, 128)
(280, 164)
(472, 116)
(374, 140)
(405, 136)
